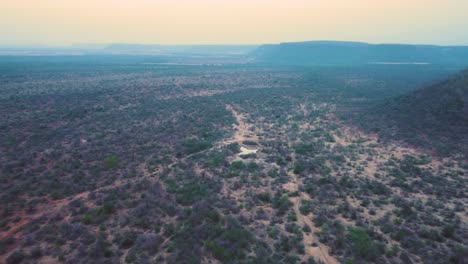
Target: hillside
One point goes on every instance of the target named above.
(434, 117)
(347, 53)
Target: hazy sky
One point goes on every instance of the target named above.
(59, 22)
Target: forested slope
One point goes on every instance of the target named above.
(434, 117)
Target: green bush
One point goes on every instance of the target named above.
(264, 197)
(36, 252)
(16, 257)
(87, 219)
(249, 142)
(4, 243)
(127, 239)
(111, 162)
(237, 165)
(298, 167)
(193, 145)
(280, 161)
(304, 148)
(361, 243)
(305, 208)
(213, 215)
(282, 204)
(230, 244)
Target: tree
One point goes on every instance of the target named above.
(298, 167)
(362, 244)
(111, 162)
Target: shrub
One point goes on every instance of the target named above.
(272, 231)
(329, 138)
(249, 142)
(15, 258)
(126, 239)
(280, 161)
(298, 167)
(230, 245)
(305, 208)
(36, 252)
(87, 219)
(111, 162)
(193, 145)
(282, 204)
(264, 197)
(213, 215)
(237, 165)
(4, 243)
(362, 244)
(304, 148)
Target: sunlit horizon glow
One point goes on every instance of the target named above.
(64, 22)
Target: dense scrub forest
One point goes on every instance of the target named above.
(434, 117)
(125, 159)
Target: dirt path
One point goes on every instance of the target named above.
(304, 109)
(241, 129)
(320, 251)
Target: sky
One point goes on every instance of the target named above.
(64, 22)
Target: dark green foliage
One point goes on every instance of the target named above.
(459, 254)
(272, 231)
(249, 142)
(111, 162)
(190, 189)
(237, 165)
(36, 252)
(280, 161)
(282, 203)
(298, 167)
(252, 166)
(216, 159)
(16, 257)
(234, 147)
(361, 244)
(264, 197)
(375, 187)
(193, 145)
(213, 215)
(329, 138)
(304, 148)
(448, 231)
(230, 244)
(169, 229)
(305, 207)
(126, 239)
(4, 243)
(87, 219)
(235, 168)
(337, 158)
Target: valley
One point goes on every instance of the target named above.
(143, 162)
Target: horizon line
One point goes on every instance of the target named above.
(103, 45)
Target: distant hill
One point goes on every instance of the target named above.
(336, 52)
(434, 117)
(141, 49)
(132, 49)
